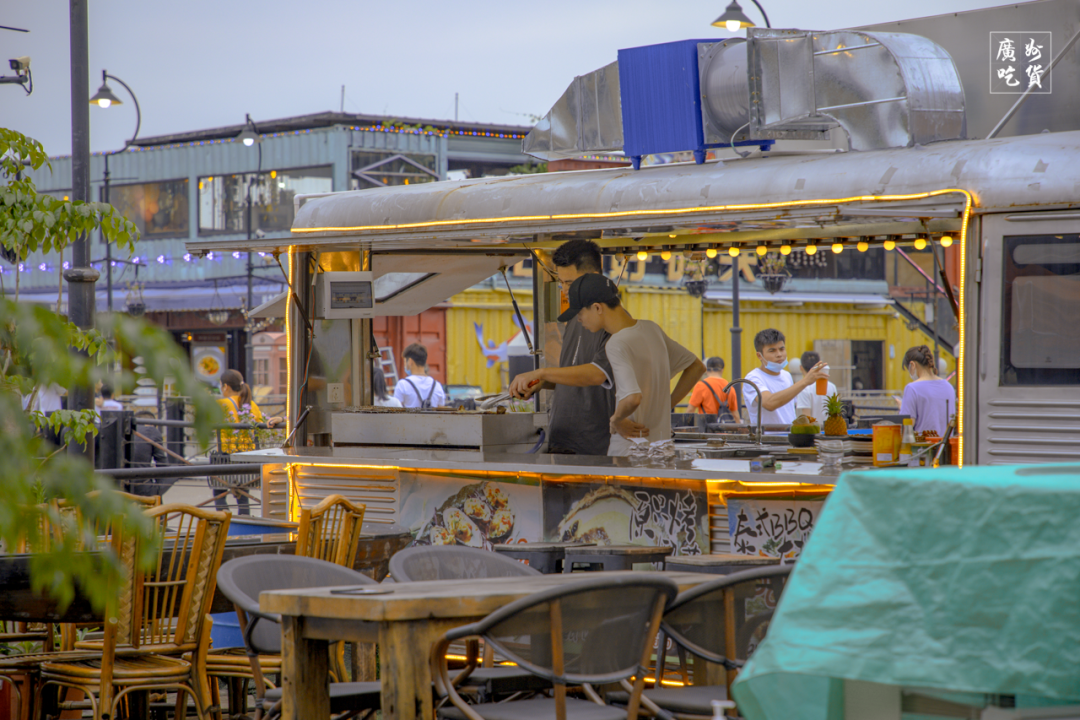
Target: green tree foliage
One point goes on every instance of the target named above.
(36, 351)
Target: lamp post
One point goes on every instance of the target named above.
(734, 19)
(104, 98)
(250, 136)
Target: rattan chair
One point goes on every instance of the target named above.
(598, 630)
(720, 622)
(160, 616)
(331, 531)
(243, 579)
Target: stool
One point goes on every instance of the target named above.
(542, 556)
(614, 557)
(720, 564)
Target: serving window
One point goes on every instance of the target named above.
(1040, 307)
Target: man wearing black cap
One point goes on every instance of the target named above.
(643, 360)
(584, 400)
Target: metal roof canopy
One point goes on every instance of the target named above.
(710, 203)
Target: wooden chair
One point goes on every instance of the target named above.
(158, 617)
(330, 531)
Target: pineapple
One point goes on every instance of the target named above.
(835, 423)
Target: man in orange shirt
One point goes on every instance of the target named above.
(710, 391)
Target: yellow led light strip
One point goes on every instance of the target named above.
(637, 213)
(289, 348)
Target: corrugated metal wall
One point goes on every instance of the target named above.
(680, 316)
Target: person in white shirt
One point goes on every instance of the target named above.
(809, 402)
(418, 390)
(379, 394)
(643, 360)
(107, 402)
(778, 391)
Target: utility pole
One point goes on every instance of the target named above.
(81, 276)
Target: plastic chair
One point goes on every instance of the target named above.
(331, 531)
(452, 562)
(161, 615)
(243, 579)
(595, 631)
(721, 622)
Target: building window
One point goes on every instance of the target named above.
(1040, 303)
(223, 198)
(158, 209)
(382, 169)
(283, 375)
(262, 371)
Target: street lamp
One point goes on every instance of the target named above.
(105, 98)
(250, 136)
(734, 19)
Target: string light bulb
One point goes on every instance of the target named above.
(920, 243)
(642, 255)
(811, 249)
(863, 246)
(710, 253)
(837, 248)
(665, 255)
(762, 249)
(890, 244)
(785, 249)
(946, 241)
(733, 251)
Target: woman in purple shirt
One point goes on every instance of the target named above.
(928, 399)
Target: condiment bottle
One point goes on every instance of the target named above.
(906, 440)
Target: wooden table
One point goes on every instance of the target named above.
(541, 556)
(615, 557)
(410, 619)
(717, 564)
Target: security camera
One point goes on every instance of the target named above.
(260, 234)
(20, 64)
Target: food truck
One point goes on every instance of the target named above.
(842, 141)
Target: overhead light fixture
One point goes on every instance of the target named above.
(733, 251)
(762, 249)
(733, 19)
(665, 255)
(890, 244)
(863, 246)
(811, 249)
(920, 243)
(946, 241)
(642, 255)
(248, 136)
(105, 97)
(837, 248)
(710, 253)
(785, 249)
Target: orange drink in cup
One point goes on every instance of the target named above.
(823, 382)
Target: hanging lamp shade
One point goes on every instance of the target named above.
(105, 97)
(733, 19)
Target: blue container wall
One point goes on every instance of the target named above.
(661, 98)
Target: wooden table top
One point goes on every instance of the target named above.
(723, 559)
(541, 547)
(437, 598)
(628, 550)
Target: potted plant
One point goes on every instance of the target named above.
(773, 272)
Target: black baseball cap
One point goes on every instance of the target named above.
(588, 289)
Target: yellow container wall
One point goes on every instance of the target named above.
(680, 315)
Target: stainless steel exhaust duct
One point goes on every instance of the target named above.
(587, 118)
(884, 89)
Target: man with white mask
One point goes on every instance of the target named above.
(778, 390)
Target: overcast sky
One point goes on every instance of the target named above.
(204, 63)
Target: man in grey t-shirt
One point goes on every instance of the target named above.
(584, 392)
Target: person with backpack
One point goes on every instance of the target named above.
(418, 389)
(710, 396)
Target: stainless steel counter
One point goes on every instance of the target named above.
(588, 465)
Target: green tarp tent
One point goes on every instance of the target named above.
(932, 589)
